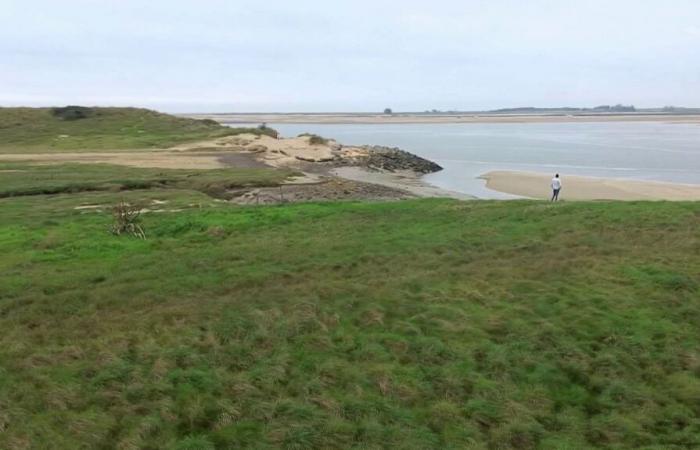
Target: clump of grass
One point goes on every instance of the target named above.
(127, 220)
(315, 139)
(267, 131)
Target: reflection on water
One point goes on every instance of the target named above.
(632, 150)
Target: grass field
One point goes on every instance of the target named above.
(422, 324)
(413, 325)
(18, 179)
(26, 130)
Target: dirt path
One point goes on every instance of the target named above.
(154, 159)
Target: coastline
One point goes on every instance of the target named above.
(333, 171)
(348, 118)
(405, 180)
(536, 185)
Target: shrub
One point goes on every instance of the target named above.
(72, 112)
(267, 131)
(126, 218)
(315, 139)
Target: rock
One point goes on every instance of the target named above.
(393, 159)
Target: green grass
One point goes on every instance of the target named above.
(42, 130)
(25, 179)
(414, 325)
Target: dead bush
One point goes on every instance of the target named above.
(126, 220)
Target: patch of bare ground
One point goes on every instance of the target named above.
(155, 159)
(332, 188)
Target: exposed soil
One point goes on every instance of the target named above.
(241, 159)
(330, 188)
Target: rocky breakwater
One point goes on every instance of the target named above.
(393, 159)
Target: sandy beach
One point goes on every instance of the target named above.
(536, 185)
(348, 118)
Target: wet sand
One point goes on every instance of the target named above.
(536, 185)
(403, 180)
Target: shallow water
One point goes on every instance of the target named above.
(629, 150)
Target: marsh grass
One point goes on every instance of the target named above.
(18, 179)
(415, 324)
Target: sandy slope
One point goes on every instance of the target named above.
(536, 185)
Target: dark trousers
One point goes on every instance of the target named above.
(555, 195)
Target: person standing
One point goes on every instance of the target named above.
(556, 187)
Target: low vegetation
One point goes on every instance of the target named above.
(24, 179)
(315, 139)
(263, 129)
(76, 128)
(414, 325)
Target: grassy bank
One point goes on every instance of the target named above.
(28, 179)
(79, 128)
(415, 324)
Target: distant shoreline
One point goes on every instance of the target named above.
(360, 118)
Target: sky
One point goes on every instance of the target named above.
(359, 55)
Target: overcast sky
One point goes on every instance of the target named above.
(359, 55)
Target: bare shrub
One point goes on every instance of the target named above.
(126, 220)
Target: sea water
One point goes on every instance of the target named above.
(656, 151)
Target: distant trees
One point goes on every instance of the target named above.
(616, 108)
(388, 111)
